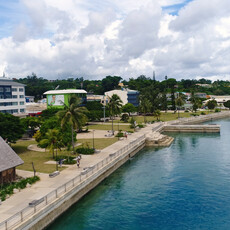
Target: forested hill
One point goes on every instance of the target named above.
(36, 86)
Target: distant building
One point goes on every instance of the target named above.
(100, 98)
(57, 98)
(12, 96)
(8, 162)
(29, 99)
(126, 95)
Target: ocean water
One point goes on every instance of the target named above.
(185, 186)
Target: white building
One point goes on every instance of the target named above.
(126, 95)
(12, 96)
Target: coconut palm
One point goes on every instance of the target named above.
(114, 106)
(51, 141)
(145, 106)
(179, 102)
(73, 114)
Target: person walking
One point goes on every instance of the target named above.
(78, 163)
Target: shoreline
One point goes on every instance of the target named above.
(112, 152)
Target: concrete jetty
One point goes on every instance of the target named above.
(59, 193)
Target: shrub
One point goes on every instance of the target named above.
(217, 110)
(68, 159)
(186, 111)
(7, 189)
(202, 113)
(125, 117)
(141, 126)
(85, 150)
(120, 134)
(194, 114)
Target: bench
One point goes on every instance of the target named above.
(36, 202)
(51, 175)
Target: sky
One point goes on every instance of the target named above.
(183, 39)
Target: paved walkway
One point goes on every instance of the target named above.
(20, 200)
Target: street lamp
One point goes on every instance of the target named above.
(93, 139)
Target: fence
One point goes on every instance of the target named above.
(76, 182)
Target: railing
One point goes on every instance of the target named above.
(76, 183)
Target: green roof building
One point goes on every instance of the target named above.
(57, 98)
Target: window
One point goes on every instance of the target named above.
(2, 104)
(7, 89)
(1, 96)
(21, 89)
(21, 102)
(14, 96)
(21, 96)
(14, 110)
(14, 89)
(8, 103)
(22, 110)
(1, 89)
(14, 103)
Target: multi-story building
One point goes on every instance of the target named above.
(12, 96)
(126, 95)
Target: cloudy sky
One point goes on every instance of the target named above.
(96, 38)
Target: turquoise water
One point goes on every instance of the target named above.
(185, 186)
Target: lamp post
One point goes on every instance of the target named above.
(93, 139)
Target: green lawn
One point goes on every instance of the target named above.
(39, 158)
(109, 127)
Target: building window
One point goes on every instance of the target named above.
(14, 89)
(22, 110)
(14, 103)
(1, 89)
(8, 103)
(21, 102)
(1, 96)
(15, 110)
(7, 89)
(21, 96)
(2, 104)
(21, 89)
(14, 96)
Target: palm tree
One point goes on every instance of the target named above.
(114, 106)
(145, 106)
(73, 114)
(179, 102)
(51, 141)
(157, 114)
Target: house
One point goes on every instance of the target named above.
(9, 160)
(12, 96)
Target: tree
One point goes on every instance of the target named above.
(157, 114)
(30, 124)
(52, 140)
(11, 129)
(227, 104)
(73, 114)
(145, 106)
(114, 106)
(110, 83)
(129, 108)
(211, 104)
(179, 102)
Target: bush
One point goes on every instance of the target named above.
(7, 189)
(186, 111)
(202, 113)
(140, 126)
(125, 117)
(68, 159)
(194, 114)
(85, 150)
(120, 134)
(217, 110)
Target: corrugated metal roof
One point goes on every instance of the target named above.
(65, 91)
(8, 158)
(10, 82)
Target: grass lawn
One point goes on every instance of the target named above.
(166, 116)
(39, 158)
(109, 127)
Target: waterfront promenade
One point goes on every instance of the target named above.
(19, 201)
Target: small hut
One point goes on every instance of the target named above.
(8, 162)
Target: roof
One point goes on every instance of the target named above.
(8, 158)
(10, 82)
(65, 91)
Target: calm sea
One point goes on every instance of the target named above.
(185, 186)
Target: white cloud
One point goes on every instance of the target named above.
(113, 37)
